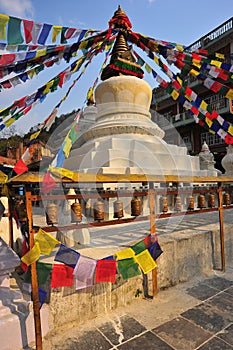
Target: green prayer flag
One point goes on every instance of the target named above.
(43, 272)
(14, 35)
(139, 247)
(128, 268)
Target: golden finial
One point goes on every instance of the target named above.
(119, 11)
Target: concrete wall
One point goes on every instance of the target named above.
(186, 254)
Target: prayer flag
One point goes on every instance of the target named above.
(4, 19)
(67, 256)
(62, 276)
(28, 25)
(56, 30)
(125, 254)
(43, 271)
(48, 183)
(106, 271)
(145, 261)
(14, 31)
(46, 242)
(32, 255)
(128, 268)
(20, 167)
(84, 272)
(155, 250)
(44, 33)
(139, 247)
(42, 296)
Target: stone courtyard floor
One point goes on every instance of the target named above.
(194, 315)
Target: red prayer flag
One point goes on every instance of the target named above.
(62, 276)
(7, 59)
(106, 271)
(28, 25)
(20, 167)
(25, 249)
(48, 183)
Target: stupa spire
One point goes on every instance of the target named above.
(122, 60)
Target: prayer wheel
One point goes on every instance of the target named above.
(22, 212)
(190, 203)
(163, 201)
(211, 200)
(201, 201)
(118, 209)
(51, 214)
(99, 210)
(178, 203)
(226, 198)
(135, 206)
(76, 212)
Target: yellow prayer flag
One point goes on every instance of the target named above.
(230, 94)
(125, 254)
(34, 136)
(216, 63)
(230, 129)
(148, 68)
(175, 94)
(40, 53)
(48, 86)
(46, 242)
(31, 73)
(156, 59)
(145, 261)
(179, 80)
(208, 122)
(31, 256)
(55, 32)
(220, 55)
(196, 63)
(203, 105)
(9, 121)
(4, 19)
(179, 47)
(194, 72)
(67, 146)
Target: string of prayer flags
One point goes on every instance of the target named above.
(62, 276)
(32, 255)
(46, 242)
(67, 256)
(106, 271)
(84, 272)
(128, 268)
(145, 261)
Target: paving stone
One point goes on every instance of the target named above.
(222, 301)
(201, 291)
(208, 317)
(147, 340)
(121, 329)
(219, 283)
(216, 344)
(92, 340)
(229, 290)
(182, 334)
(227, 334)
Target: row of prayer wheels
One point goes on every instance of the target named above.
(190, 202)
(76, 211)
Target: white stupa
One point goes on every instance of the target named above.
(124, 139)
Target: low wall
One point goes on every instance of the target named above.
(186, 254)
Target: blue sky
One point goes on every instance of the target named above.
(178, 21)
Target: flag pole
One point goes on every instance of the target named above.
(35, 294)
(152, 232)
